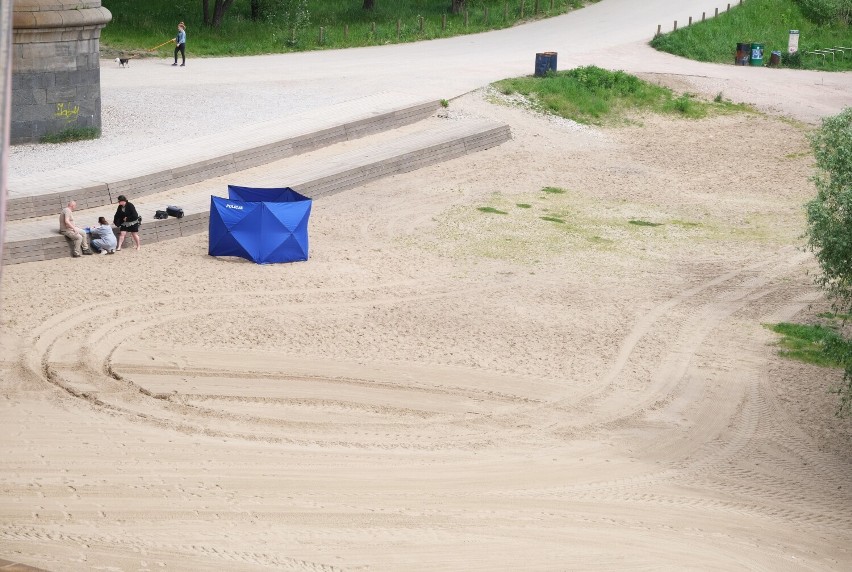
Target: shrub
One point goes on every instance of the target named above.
(829, 219)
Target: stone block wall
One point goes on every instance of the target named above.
(56, 82)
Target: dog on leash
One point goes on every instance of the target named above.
(123, 62)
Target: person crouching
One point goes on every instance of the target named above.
(103, 238)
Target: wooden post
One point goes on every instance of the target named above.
(675, 27)
(466, 18)
(690, 21)
(322, 35)
(486, 15)
(522, 8)
(551, 4)
(421, 24)
(505, 11)
(443, 22)
(398, 26)
(659, 27)
(729, 7)
(537, 7)
(346, 32)
(717, 13)
(703, 16)
(373, 28)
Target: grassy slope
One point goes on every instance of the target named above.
(141, 24)
(765, 21)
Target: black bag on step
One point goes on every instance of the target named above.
(176, 212)
(160, 215)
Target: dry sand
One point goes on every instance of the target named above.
(441, 388)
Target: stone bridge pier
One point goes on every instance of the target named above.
(56, 78)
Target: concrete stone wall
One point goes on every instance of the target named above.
(56, 82)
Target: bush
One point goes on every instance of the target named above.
(793, 60)
(829, 214)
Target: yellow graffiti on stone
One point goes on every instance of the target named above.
(69, 113)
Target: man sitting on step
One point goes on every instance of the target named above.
(76, 236)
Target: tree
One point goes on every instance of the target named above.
(829, 231)
(368, 4)
(829, 214)
(219, 9)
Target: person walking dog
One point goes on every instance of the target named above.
(127, 220)
(180, 44)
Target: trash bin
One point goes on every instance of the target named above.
(545, 62)
(756, 54)
(743, 54)
(775, 59)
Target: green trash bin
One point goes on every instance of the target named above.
(756, 54)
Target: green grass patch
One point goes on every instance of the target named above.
(138, 25)
(798, 155)
(834, 316)
(685, 223)
(644, 223)
(524, 206)
(491, 210)
(553, 219)
(814, 344)
(597, 96)
(72, 134)
(553, 190)
(767, 22)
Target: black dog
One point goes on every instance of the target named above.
(122, 62)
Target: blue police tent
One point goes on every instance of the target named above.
(262, 225)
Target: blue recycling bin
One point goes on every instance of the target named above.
(545, 62)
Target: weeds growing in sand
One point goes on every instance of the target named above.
(553, 190)
(523, 206)
(491, 210)
(644, 223)
(815, 344)
(822, 345)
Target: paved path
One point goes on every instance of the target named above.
(612, 33)
(152, 102)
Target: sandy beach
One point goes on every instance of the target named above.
(442, 388)
(550, 355)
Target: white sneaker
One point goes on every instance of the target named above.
(103, 252)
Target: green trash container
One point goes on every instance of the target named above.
(756, 54)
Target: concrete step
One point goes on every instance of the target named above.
(182, 162)
(325, 173)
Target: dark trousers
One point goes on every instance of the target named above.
(182, 49)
